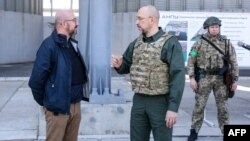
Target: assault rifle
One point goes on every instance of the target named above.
(228, 76)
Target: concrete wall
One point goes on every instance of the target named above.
(21, 35)
(24, 6)
(124, 30)
(47, 28)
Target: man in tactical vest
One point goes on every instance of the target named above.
(206, 72)
(156, 66)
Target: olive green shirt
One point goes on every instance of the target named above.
(171, 54)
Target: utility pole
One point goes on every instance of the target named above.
(71, 4)
(95, 41)
(51, 8)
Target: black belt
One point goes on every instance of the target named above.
(213, 72)
(147, 95)
(216, 71)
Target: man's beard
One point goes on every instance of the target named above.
(143, 31)
(72, 32)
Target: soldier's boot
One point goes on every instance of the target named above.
(193, 135)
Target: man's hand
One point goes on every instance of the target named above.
(234, 86)
(43, 109)
(116, 61)
(193, 84)
(170, 118)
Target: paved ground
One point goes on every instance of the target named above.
(21, 119)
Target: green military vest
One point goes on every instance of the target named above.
(148, 74)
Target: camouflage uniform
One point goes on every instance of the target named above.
(205, 57)
(157, 72)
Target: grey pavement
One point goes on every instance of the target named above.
(22, 120)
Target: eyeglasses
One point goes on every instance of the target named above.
(73, 20)
(142, 18)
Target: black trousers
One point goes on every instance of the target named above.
(148, 114)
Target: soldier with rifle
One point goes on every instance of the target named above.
(212, 66)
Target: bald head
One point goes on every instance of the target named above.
(62, 15)
(149, 11)
(147, 20)
(66, 22)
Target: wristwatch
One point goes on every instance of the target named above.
(236, 78)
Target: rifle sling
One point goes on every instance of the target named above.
(213, 45)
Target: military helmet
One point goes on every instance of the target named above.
(211, 21)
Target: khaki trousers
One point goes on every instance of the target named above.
(62, 127)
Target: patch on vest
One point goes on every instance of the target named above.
(193, 53)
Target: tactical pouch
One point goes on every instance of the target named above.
(199, 73)
(196, 74)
